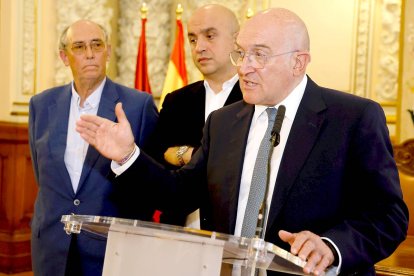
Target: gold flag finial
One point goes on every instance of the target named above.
(249, 13)
(179, 11)
(144, 10)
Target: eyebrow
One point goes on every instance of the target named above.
(255, 46)
(204, 31)
(83, 41)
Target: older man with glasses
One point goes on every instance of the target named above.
(71, 176)
(331, 183)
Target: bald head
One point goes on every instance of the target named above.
(284, 25)
(276, 43)
(216, 12)
(212, 31)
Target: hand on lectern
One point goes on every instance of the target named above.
(310, 248)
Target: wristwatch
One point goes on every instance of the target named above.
(180, 152)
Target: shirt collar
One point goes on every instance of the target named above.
(226, 85)
(291, 102)
(93, 99)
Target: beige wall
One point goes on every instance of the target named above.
(348, 47)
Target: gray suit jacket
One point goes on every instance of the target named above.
(48, 124)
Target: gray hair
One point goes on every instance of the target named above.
(63, 41)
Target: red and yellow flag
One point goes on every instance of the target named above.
(141, 70)
(177, 72)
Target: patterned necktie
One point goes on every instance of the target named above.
(259, 178)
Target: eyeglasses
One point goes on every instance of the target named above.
(79, 48)
(257, 59)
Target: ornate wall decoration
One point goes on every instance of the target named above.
(387, 87)
(361, 84)
(29, 48)
(158, 34)
(410, 47)
(68, 11)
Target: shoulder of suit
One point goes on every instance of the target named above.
(192, 88)
(52, 93)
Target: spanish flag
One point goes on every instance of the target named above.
(177, 72)
(141, 70)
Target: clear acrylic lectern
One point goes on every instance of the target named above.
(137, 247)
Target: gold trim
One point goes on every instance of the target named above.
(35, 10)
(389, 104)
(21, 103)
(400, 71)
(391, 119)
(19, 113)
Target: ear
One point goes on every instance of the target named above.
(64, 57)
(108, 52)
(302, 60)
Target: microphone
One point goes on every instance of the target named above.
(275, 138)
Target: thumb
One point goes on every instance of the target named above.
(286, 236)
(120, 114)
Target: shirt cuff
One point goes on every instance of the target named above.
(118, 169)
(336, 269)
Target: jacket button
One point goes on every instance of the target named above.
(76, 202)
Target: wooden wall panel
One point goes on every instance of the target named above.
(17, 194)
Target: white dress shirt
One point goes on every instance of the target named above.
(214, 100)
(76, 147)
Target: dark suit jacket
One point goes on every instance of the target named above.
(48, 124)
(337, 176)
(181, 119)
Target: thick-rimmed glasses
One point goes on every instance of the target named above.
(257, 60)
(79, 48)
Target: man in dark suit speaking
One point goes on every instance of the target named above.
(334, 191)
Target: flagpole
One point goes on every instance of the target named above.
(141, 69)
(144, 11)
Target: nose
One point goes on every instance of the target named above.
(88, 52)
(200, 45)
(245, 66)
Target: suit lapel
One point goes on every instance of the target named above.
(307, 123)
(106, 110)
(199, 103)
(235, 94)
(58, 123)
(240, 127)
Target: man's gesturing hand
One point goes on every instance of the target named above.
(112, 140)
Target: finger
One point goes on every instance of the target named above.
(312, 260)
(286, 236)
(323, 264)
(120, 114)
(305, 249)
(89, 122)
(296, 245)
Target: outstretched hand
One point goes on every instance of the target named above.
(310, 248)
(112, 140)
